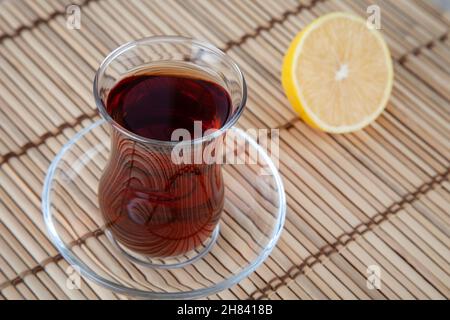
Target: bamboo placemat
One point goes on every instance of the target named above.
(377, 197)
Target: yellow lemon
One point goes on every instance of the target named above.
(337, 73)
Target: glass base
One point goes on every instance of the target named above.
(166, 262)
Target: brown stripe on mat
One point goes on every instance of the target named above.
(272, 22)
(53, 259)
(344, 239)
(429, 45)
(77, 121)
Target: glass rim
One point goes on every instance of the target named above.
(168, 39)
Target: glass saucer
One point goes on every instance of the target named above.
(251, 223)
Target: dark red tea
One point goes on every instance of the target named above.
(153, 106)
(152, 205)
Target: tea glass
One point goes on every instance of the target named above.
(151, 204)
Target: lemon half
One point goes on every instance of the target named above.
(337, 73)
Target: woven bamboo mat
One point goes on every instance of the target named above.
(377, 197)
